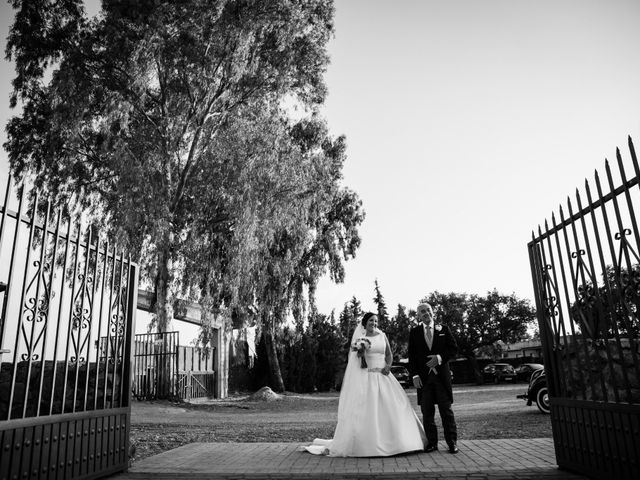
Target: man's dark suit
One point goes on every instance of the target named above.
(436, 387)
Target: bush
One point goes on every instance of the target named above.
(310, 360)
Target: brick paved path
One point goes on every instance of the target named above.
(478, 460)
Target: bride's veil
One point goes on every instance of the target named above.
(352, 398)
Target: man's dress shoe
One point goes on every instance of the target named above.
(430, 448)
(453, 448)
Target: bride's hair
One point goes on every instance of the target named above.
(366, 317)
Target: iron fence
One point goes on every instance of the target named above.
(585, 266)
(164, 369)
(155, 365)
(64, 403)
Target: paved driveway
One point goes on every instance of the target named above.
(477, 460)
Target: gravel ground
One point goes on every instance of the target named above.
(482, 412)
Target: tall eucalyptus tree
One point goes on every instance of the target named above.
(129, 121)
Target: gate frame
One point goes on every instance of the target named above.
(80, 444)
(596, 431)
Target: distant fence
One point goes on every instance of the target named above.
(164, 369)
(196, 375)
(155, 365)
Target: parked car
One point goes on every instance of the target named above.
(538, 391)
(499, 372)
(524, 371)
(402, 375)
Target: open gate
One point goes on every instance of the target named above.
(64, 394)
(585, 265)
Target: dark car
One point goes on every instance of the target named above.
(538, 391)
(402, 375)
(524, 371)
(499, 372)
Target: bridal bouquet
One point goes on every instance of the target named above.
(360, 346)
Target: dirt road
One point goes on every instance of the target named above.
(322, 408)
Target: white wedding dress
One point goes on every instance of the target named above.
(375, 416)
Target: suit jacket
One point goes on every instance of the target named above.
(443, 344)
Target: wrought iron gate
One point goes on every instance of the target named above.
(586, 275)
(64, 395)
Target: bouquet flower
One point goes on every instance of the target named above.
(361, 345)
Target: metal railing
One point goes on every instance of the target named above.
(64, 286)
(164, 369)
(585, 267)
(155, 365)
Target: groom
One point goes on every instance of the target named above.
(430, 349)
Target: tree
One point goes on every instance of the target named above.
(610, 309)
(291, 253)
(256, 262)
(298, 357)
(349, 318)
(311, 359)
(481, 321)
(495, 350)
(330, 359)
(398, 333)
(129, 125)
(383, 316)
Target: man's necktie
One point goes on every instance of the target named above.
(427, 334)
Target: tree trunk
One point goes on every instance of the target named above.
(164, 316)
(163, 307)
(274, 366)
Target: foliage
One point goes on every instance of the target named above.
(383, 316)
(319, 234)
(310, 360)
(324, 232)
(349, 319)
(298, 357)
(477, 321)
(396, 328)
(493, 351)
(398, 332)
(481, 324)
(330, 357)
(612, 308)
(141, 112)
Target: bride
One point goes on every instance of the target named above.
(375, 417)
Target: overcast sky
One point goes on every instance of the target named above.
(467, 123)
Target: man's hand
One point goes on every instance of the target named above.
(417, 382)
(385, 370)
(433, 361)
